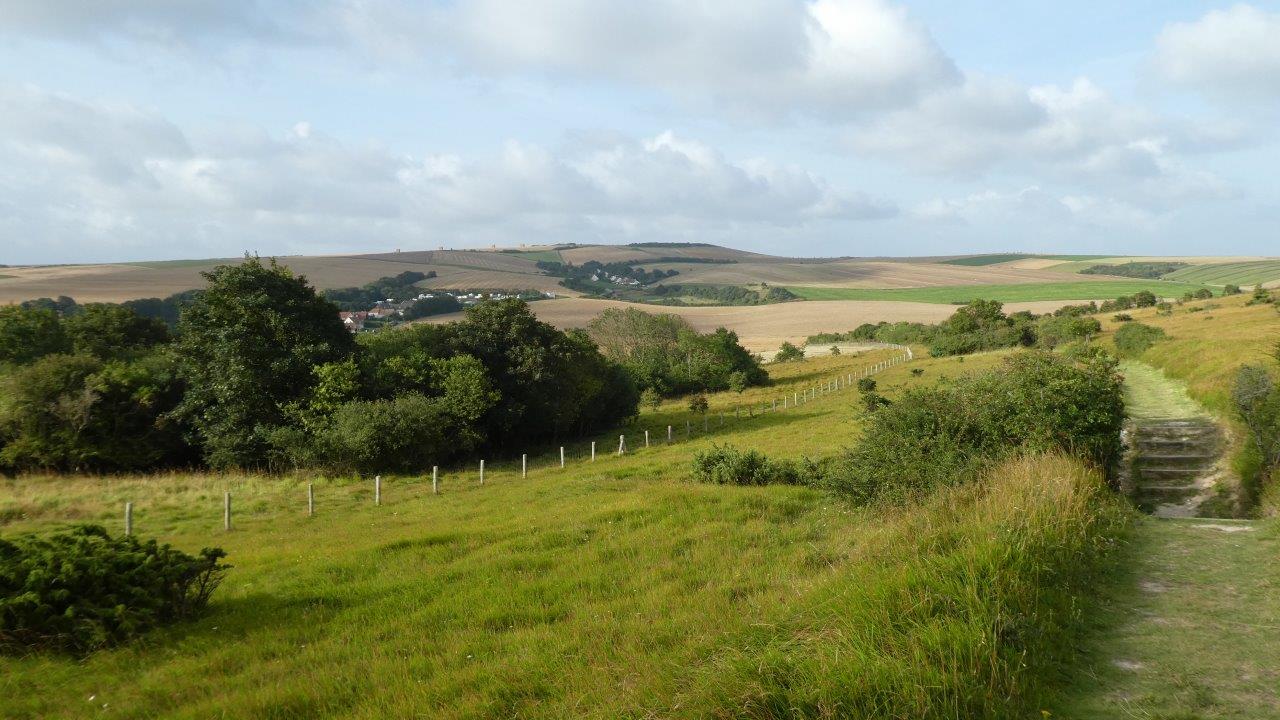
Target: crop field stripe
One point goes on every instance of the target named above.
(959, 294)
(1261, 271)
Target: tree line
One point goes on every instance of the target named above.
(260, 373)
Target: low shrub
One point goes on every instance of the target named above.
(1122, 317)
(727, 465)
(1133, 339)
(81, 589)
(866, 384)
(789, 353)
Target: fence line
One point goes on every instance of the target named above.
(798, 398)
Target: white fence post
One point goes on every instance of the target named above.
(646, 438)
(128, 518)
(481, 472)
(311, 500)
(226, 510)
(668, 433)
(562, 456)
(622, 444)
(524, 465)
(377, 489)
(435, 479)
(593, 451)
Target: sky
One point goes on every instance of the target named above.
(166, 129)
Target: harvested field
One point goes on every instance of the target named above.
(854, 274)
(116, 283)
(1245, 274)
(763, 327)
(627, 253)
(1081, 290)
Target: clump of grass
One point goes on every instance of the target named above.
(966, 607)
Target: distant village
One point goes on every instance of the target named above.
(392, 311)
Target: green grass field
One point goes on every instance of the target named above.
(1030, 292)
(1244, 274)
(609, 589)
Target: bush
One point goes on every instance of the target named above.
(1230, 289)
(1134, 339)
(698, 404)
(945, 435)
(1122, 317)
(789, 353)
(726, 465)
(866, 384)
(81, 590)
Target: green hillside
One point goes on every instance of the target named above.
(1030, 292)
(1238, 273)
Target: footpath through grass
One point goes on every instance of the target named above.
(1023, 292)
(1191, 628)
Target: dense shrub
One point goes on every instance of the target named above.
(943, 435)
(788, 353)
(1135, 338)
(1257, 401)
(82, 589)
(111, 331)
(30, 333)
(727, 465)
(76, 412)
(1052, 331)
(664, 352)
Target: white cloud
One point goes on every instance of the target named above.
(828, 58)
(1035, 207)
(1073, 134)
(125, 179)
(825, 58)
(1231, 53)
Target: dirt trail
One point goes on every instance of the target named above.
(1191, 629)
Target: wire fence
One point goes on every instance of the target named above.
(640, 439)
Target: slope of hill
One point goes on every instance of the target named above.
(1265, 272)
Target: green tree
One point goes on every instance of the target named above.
(30, 333)
(111, 331)
(1145, 298)
(650, 398)
(78, 413)
(248, 346)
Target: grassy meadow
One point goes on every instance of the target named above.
(609, 589)
(1023, 292)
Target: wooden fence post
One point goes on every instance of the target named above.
(128, 518)
(226, 510)
(435, 479)
(311, 500)
(686, 429)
